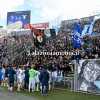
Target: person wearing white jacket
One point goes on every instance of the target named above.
(37, 80)
(20, 78)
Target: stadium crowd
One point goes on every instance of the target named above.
(15, 60)
(15, 49)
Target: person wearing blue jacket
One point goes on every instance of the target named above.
(11, 74)
(1, 75)
(44, 79)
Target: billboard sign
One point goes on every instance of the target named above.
(18, 16)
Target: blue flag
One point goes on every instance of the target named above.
(76, 37)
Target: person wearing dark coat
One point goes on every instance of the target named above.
(26, 79)
(11, 74)
(44, 79)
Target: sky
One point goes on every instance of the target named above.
(52, 11)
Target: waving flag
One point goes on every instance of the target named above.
(76, 37)
(88, 28)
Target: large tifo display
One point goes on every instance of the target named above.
(88, 76)
(22, 16)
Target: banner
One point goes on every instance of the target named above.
(88, 76)
(18, 16)
(38, 25)
(38, 37)
(50, 33)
